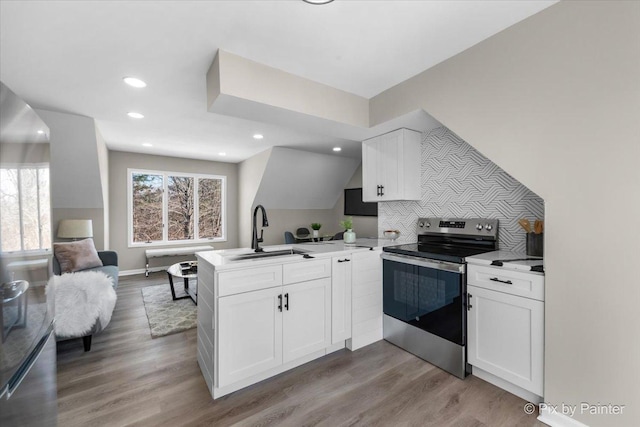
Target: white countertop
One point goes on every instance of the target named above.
(223, 259)
(519, 261)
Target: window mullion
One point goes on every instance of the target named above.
(196, 208)
(38, 205)
(165, 208)
(20, 214)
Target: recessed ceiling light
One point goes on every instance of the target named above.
(317, 1)
(337, 149)
(258, 136)
(147, 144)
(40, 132)
(134, 115)
(132, 81)
(222, 154)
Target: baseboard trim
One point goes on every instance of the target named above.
(555, 419)
(506, 385)
(142, 270)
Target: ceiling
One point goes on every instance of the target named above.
(71, 56)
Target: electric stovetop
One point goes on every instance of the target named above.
(438, 252)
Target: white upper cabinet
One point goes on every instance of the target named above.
(391, 166)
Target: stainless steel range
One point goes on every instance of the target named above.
(425, 291)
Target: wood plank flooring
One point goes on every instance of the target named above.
(130, 379)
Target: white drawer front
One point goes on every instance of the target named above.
(511, 282)
(306, 270)
(250, 279)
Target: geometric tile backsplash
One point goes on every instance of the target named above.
(457, 181)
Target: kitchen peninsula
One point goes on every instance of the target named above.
(263, 313)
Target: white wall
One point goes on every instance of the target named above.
(295, 179)
(103, 163)
(231, 76)
(250, 174)
(297, 188)
(555, 102)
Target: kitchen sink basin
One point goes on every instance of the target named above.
(267, 254)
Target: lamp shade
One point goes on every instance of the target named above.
(75, 228)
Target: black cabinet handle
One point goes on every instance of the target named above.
(495, 279)
(382, 190)
(378, 192)
(280, 302)
(286, 303)
(469, 296)
(344, 260)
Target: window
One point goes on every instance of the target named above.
(168, 207)
(25, 209)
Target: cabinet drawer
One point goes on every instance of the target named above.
(306, 270)
(511, 282)
(250, 279)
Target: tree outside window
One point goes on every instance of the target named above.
(191, 206)
(25, 209)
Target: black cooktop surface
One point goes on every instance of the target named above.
(437, 252)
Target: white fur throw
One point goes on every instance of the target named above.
(82, 298)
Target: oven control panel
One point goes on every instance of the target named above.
(467, 226)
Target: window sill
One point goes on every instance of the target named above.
(26, 254)
(176, 243)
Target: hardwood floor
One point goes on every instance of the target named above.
(130, 379)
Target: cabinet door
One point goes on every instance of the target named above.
(341, 299)
(505, 337)
(370, 179)
(249, 334)
(306, 324)
(390, 146)
(366, 299)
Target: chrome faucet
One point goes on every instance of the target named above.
(255, 242)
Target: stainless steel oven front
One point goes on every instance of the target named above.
(424, 309)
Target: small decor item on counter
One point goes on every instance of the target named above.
(349, 236)
(535, 236)
(391, 234)
(316, 227)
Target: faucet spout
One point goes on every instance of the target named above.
(255, 241)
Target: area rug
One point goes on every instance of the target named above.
(165, 315)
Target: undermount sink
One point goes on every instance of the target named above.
(254, 255)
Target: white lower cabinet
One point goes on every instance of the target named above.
(340, 298)
(249, 334)
(306, 324)
(506, 337)
(261, 330)
(366, 299)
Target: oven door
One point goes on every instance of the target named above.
(427, 294)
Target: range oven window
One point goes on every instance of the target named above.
(427, 298)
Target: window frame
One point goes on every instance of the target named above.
(37, 167)
(165, 208)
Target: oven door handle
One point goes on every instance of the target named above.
(423, 262)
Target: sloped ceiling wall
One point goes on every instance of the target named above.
(76, 180)
(295, 179)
